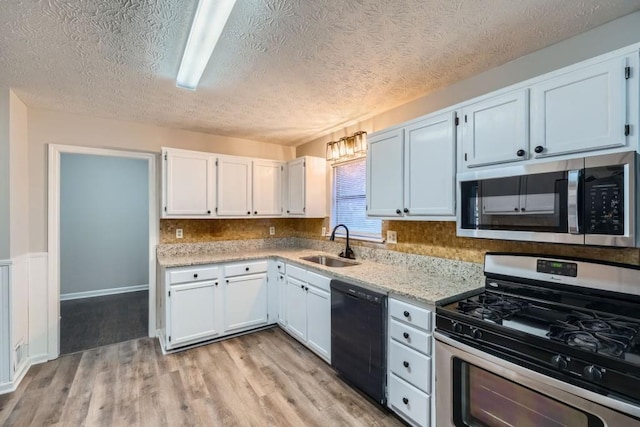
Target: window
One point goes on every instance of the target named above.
(350, 201)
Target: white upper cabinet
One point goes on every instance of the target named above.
(496, 130)
(385, 173)
(267, 187)
(411, 170)
(580, 111)
(234, 186)
(307, 187)
(430, 166)
(189, 183)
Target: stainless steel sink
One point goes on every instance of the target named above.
(329, 261)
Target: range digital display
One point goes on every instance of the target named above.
(557, 267)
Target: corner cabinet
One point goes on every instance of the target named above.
(189, 184)
(307, 309)
(200, 303)
(411, 170)
(307, 187)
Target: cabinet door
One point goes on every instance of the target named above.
(296, 187)
(296, 308)
(188, 183)
(385, 176)
(267, 188)
(319, 322)
(496, 130)
(429, 166)
(191, 312)
(580, 111)
(234, 186)
(282, 300)
(245, 302)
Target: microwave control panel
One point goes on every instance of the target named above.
(604, 201)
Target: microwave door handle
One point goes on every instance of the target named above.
(573, 186)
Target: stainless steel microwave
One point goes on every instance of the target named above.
(584, 201)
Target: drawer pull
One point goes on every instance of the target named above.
(246, 269)
(405, 400)
(216, 283)
(406, 314)
(195, 276)
(405, 364)
(406, 335)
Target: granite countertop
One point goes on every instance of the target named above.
(398, 281)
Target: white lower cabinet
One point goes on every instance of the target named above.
(308, 309)
(245, 302)
(200, 303)
(409, 362)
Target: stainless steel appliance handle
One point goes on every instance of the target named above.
(573, 184)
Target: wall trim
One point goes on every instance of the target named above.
(11, 386)
(53, 233)
(103, 292)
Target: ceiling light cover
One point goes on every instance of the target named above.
(208, 23)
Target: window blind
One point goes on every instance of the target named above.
(350, 200)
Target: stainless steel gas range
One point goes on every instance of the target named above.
(549, 342)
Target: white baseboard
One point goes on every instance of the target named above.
(103, 292)
(11, 386)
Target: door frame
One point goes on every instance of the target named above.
(53, 242)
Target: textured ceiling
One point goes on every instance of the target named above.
(284, 71)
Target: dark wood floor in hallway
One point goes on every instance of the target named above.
(261, 379)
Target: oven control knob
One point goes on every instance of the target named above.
(476, 333)
(559, 362)
(457, 327)
(592, 373)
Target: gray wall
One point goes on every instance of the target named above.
(104, 223)
(4, 174)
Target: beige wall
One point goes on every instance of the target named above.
(49, 127)
(19, 176)
(613, 35)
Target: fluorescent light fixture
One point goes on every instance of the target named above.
(206, 29)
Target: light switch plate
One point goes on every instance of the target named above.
(178, 233)
(392, 236)
(272, 231)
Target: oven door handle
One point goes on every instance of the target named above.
(573, 189)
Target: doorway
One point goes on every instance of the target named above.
(102, 237)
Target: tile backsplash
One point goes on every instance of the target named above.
(434, 238)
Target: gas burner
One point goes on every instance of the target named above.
(491, 307)
(606, 335)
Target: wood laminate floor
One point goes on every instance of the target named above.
(94, 322)
(261, 379)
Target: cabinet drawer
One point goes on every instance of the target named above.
(296, 272)
(410, 365)
(413, 337)
(319, 281)
(245, 268)
(281, 267)
(192, 274)
(408, 401)
(411, 314)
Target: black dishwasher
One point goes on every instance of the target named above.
(358, 337)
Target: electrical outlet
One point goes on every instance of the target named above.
(392, 236)
(272, 231)
(324, 231)
(178, 233)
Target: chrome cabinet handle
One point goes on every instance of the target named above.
(573, 181)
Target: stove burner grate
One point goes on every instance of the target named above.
(491, 307)
(606, 335)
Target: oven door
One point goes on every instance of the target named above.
(524, 202)
(477, 389)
